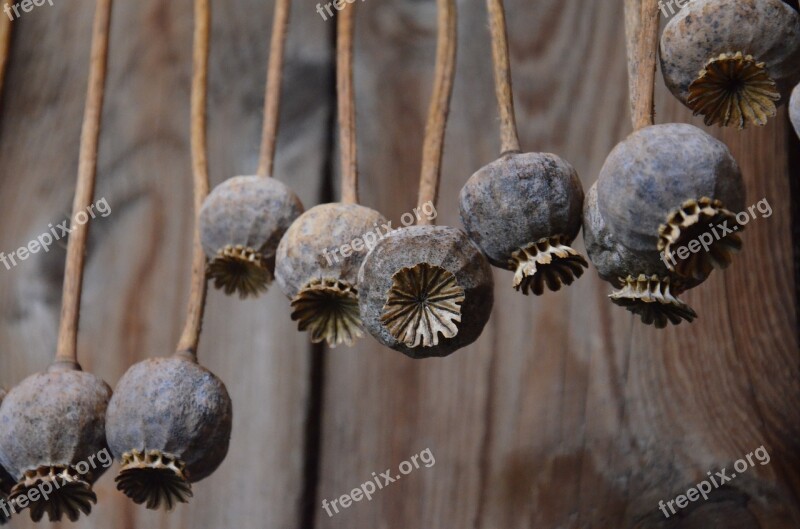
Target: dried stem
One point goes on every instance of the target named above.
(641, 29)
(67, 347)
(272, 92)
(440, 104)
(197, 296)
(633, 18)
(345, 26)
(5, 47)
(509, 137)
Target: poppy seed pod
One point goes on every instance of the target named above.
(53, 427)
(663, 189)
(169, 423)
(423, 281)
(523, 211)
(794, 109)
(317, 268)
(241, 222)
(732, 62)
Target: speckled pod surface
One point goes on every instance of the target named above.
(311, 248)
(660, 189)
(241, 223)
(645, 178)
(766, 30)
(518, 200)
(794, 109)
(627, 269)
(175, 406)
(613, 259)
(447, 256)
(56, 417)
(52, 427)
(317, 268)
(523, 211)
(250, 211)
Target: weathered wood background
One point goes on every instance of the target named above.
(566, 414)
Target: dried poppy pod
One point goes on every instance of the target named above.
(241, 223)
(421, 282)
(169, 423)
(53, 428)
(523, 211)
(732, 62)
(646, 286)
(794, 109)
(662, 193)
(317, 268)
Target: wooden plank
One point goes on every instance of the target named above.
(566, 413)
(137, 278)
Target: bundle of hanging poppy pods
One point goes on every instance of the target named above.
(54, 420)
(424, 290)
(665, 186)
(169, 420)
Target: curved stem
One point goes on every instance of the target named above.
(272, 92)
(190, 337)
(67, 347)
(641, 28)
(440, 105)
(345, 28)
(5, 47)
(509, 137)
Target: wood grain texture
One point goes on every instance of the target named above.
(567, 414)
